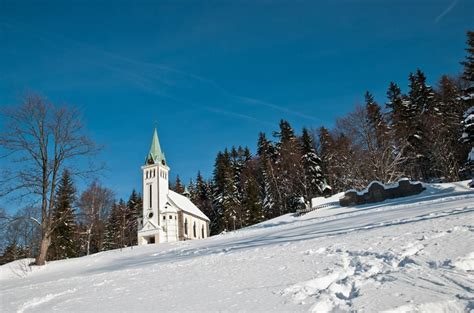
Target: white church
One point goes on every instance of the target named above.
(167, 215)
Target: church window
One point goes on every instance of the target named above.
(171, 217)
(150, 195)
(150, 215)
(185, 226)
(202, 231)
(194, 229)
(164, 217)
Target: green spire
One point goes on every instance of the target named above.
(155, 155)
(186, 192)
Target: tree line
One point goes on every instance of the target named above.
(416, 134)
(84, 223)
(424, 133)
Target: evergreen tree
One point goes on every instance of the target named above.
(421, 102)
(326, 147)
(63, 239)
(289, 170)
(314, 180)
(13, 252)
(203, 200)
(376, 122)
(224, 191)
(398, 116)
(178, 186)
(448, 152)
(132, 214)
(468, 102)
(112, 229)
(468, 138)
(336, 159)
(268, 188)
(383, 154)
(251, 202)
(192, 190)
(236, 166)
(468, 73)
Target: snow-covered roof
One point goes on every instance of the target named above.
(186, 205)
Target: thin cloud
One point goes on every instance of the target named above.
(278, 108)
(446, 11)
(238, 115)
(164, 80)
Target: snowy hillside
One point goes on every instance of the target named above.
(403, 255)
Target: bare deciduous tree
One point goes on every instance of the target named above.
(94, 205)
(377, 159)
(40, 140)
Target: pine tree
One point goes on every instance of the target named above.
(421, 102)
(253, 209)
(192, 190)
(398, 116)
(112, 229)
(468, 73)
(178, 186)
(63, 239)
(336, 157)
(203, 200)
(468, 139)
(236, 166)
(314, 180)
(326, 147)
(448, 153)
(289, 171)
(132, 214)
(268, 191)
(13, 252)
(385, 158)
(376, 122)
(224, 191)
(467, 100)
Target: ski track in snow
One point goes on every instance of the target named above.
(41, 300)
(414, 254)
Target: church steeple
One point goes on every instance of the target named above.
(155, 156)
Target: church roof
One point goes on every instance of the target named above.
(155, 155)
(186, 205)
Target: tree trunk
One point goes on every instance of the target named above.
(89, 236)
(44, 245)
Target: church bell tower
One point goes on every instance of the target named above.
(155, 191)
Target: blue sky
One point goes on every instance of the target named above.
(213, 74)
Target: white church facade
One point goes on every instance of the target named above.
(167, 216)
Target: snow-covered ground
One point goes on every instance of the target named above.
(402, 255)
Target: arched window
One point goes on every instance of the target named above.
(185, 226)
(194, 229)
(202, 231)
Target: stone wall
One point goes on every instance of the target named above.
(377, 192)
